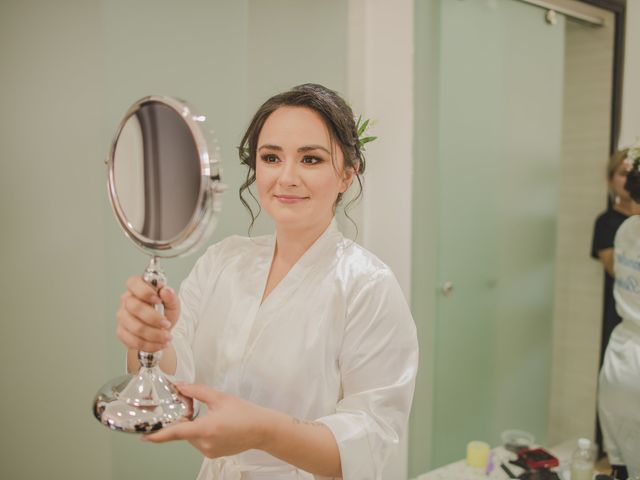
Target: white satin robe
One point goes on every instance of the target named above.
(619, 388)
(334, 342)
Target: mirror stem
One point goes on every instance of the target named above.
(154, 276)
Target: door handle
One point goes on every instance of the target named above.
(447, 288)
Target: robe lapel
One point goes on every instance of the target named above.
(321, 251)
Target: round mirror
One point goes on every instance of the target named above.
(163, 178)
(164, 187)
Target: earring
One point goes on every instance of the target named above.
(616, 200)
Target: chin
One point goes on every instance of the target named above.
(296, 220)
(290, 221)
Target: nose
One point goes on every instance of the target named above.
(289, 174)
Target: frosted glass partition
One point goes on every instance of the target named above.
(500, 127)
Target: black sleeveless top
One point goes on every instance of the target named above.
(604, 233)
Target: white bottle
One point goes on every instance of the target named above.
(582, 461)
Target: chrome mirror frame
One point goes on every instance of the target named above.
(204, 219)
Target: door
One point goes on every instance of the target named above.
(500, 131)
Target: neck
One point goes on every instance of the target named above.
(627, 207)
(291, 243)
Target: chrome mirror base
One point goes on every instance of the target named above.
(142, 402)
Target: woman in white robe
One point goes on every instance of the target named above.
(301, 343)
(619, 386)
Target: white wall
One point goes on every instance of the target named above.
(381, 86)
(380, 82)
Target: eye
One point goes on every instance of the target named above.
(311, 160)
(269, 158)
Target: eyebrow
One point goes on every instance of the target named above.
(305, 148)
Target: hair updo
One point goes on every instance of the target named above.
(337, 116)
(632, 184)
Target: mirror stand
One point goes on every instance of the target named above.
(145, 401)
(164, 185)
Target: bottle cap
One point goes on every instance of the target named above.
(584, 443)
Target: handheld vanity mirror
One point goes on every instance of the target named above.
(164, 186)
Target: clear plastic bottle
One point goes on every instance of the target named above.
(582, 461)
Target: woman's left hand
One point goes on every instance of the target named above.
(231, 425)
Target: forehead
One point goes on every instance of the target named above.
(295, 126)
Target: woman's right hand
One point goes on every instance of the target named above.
(140, 326)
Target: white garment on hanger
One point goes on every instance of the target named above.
(334, 342)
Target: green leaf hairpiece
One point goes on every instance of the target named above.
(361, 128)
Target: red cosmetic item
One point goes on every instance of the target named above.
(537, 458)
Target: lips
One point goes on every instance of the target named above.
(290, 198)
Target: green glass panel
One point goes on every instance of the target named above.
(500, 113)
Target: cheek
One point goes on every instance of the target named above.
(328, 186)
(262, 179)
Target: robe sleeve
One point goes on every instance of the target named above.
(191, 291)
(378, 363)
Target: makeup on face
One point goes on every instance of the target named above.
(296, 175)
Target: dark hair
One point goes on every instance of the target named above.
(632, 184)
(336, 114)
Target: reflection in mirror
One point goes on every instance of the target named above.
(156, 153)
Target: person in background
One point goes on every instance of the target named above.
(619, 209)
(604, 232)
(619, 384)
